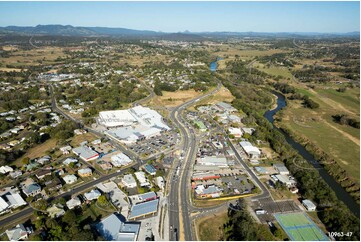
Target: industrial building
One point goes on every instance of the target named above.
(120, 159)
(141, 198)
(213, 161)
(252, 151)
(85, 153)
(281, 169)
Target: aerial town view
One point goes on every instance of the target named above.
(180, 121)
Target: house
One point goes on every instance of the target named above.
(252, 151)
(43, 160)
(41, 173)
(56, 211)
(114, 228)
(70, 179)
(85, 153)
(5, 146)
(86, 172)
(15, 174)
(66, 149)
(79, 131)
(248, 130)
(17, 233)
(309, 205)
(150, 169)
(160, 182)
(142, 179)
(281, 169)
(74, 202)
(53, 185)
(284, 180)
(6, 169)
(129, 181)
(31, 189)
(14, 142)
(92, 195)
(70, 160)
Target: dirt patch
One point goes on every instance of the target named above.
(210, 228)
(172, 99)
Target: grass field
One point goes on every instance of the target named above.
(223, 95)
(300, 227)
(210, 228)
(274, 70)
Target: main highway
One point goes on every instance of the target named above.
(179, 199)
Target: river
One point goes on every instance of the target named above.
(341, 193)
(213, 66)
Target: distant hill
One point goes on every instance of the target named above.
(69, 30)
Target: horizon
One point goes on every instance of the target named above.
(261, 17)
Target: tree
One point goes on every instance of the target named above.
(69, 217)
(102, 200)
(25, 160)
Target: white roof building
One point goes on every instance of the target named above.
(143, 181)
(70, 179)
(120, 159)
(15, 200)
(213, 161)
(3, 205)
(72, 203)
(237, 132)
(129, 181)
(17, 233)
(251, 150)
(309, 205)
(5, 169)
(281, 168)
(92, 195)
(160, 182)
(69, 160)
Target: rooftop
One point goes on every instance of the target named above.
(143, 209)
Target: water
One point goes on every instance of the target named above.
(213, 66)
(341, 193)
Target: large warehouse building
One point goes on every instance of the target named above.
(131, 125)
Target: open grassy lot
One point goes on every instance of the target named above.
(37, 151)
(339, 141)
(273, 70)
(223, 95)
(210, 228)
(77, 139)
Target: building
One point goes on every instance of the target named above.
(17, 233)
(105, 165)
(248, 130)
(141, 210)
(129, 181)
(281, 169)
(86, 172)
(150, 169)
(70, 179)
(56, 211)
(6, 169)
(143, 181)
(236, 132)
(3, 205)
(70, 160)
(225, 107)
(74, 202)
(92, 195)
(41, 173)
(252, 151)
(15, 200)
(309, 205)
(284, 180)
(141, 198)
(120, 159)
(85, 153)
(53, 184)
(213, 161)
(207, 192)
(114, 228)
(15, 174)
(204, 176)
(66, 149)
(31, 189)
(160, 182)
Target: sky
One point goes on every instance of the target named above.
(324, 17)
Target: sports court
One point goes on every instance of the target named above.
(299, 227)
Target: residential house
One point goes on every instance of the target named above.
(74, 202)
(129, 181)
(86, 172)
(31, 189)
(70, 179)
(56, 211)
(92, 195)
(41, 173)
(17, 233)
(6, 169)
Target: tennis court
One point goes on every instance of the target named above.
(300, 227)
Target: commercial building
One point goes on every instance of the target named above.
(309, 205)
(85, 153)
(142, 210)
(141, 198)
(15, 200)
(120, 159)
(208, 192)
(225, 107)
(283, 179)
(281, 169)
(213, 161)
(150, 169)
(115, 228)
(204, 176)
(252, 151)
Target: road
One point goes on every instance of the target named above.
(180, 202)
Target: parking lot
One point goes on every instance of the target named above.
(237, 185)
(272, 207)
(154, 145)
